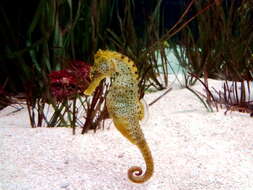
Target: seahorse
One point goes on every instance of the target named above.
(123, 104)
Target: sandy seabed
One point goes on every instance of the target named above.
(193, 150)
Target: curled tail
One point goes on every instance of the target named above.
(135, 173)
(130, 128)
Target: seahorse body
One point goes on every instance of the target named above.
(123, 104)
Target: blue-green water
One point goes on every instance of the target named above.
(174, 67)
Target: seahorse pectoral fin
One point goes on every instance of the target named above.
(132, 131)
(144, 113)
(93, 85)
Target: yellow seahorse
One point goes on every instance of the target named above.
(123, 104)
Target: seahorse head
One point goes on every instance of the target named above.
(104, 65)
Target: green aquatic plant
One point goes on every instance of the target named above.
(39, 41)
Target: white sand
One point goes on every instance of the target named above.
(192, 149)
